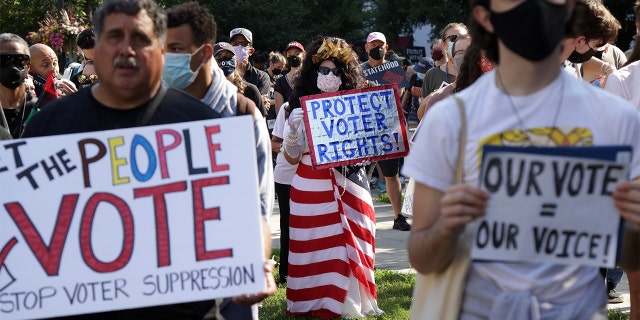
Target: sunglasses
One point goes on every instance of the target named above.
(14, 59)
(452, 38)
(325, 71)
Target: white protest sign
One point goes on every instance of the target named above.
(129, 218)
(351, 126)
(551, 206)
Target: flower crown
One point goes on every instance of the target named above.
(328, 49)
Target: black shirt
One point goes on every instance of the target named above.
(81, 112)
(258, 78)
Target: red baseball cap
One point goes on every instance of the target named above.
(294, 44)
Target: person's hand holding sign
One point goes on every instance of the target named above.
(626, 198)
(249, 299)
(460, 205)
(294, 140)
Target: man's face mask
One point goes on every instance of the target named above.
(533, 29)
(13, 69)
(577, 57)
(376, 53)
(177, 69)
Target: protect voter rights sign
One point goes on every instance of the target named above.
(551, 204)
(353, 126)
(129, 218)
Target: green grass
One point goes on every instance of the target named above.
(394, 297)
(616, 315)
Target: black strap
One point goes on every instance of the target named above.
(153, 106)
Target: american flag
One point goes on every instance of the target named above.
(332, 243)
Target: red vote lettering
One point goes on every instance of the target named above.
(162, 149)
(85, 233)
(203, 214)
(162, 227)
(213, 147)
(48, 256)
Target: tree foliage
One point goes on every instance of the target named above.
(277, 22)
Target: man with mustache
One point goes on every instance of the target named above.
(129, 56)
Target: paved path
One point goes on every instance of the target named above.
(391, 247)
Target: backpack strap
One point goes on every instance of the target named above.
(153, 106)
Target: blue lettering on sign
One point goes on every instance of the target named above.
(339, 106)
(315, 105)
(380, 121)
(329, 130)
(322, 153)
(388, 146)
(362, 103)
(326, 108)
(350, 99)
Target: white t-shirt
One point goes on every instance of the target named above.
(284, 171)
(586, 116)
(626, 83)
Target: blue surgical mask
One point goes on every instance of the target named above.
(420, 75)
(177, 69)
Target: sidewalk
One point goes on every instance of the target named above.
(391, 247)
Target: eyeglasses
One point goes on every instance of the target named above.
(452, 38)
(240, 43)
(325, 71)
(14, 59)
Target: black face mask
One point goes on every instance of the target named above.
(543, 25)
(276, 71)
(228, 65)
(576, 57)
(294, 61)
(376, 53)
(12, 77)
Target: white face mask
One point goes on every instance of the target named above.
(450, 49)
(329, 82)
(242, 53)
(457, 62)
(177, 69)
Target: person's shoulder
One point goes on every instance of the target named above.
(590, 96)
(627, 71)
(251, 87)
(245, 106)
(433, 70)
(181, 101)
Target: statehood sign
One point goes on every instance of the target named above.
(129, 218)
(551, 204)
(390, 72)
(347, 127)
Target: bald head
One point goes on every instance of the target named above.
(43, 60)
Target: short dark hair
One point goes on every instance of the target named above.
(636, 11)
(86, 39)
(132, 7)
(592, 20)
(201, 21)
(11, 37)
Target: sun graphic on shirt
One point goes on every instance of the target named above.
(540, 137)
